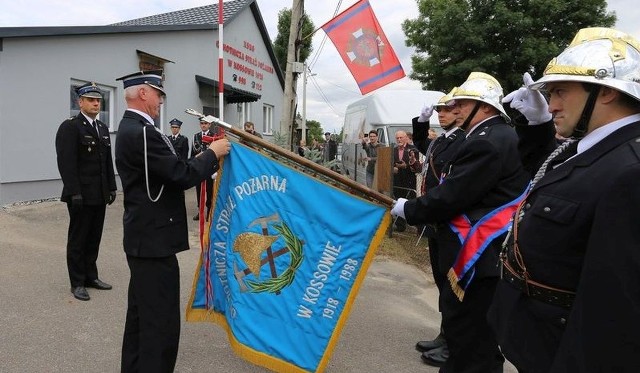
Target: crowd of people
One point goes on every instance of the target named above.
(532, 240)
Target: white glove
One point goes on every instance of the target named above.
(425, 114)
(398, 207)
(530, 103)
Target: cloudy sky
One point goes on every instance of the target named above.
(329, 91)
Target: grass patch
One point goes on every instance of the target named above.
(402, 247)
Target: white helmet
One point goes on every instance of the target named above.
(481, 87)
(446, 100)
(601, 56)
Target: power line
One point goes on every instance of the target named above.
(316, 54)
(325, 98)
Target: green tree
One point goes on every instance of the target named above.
(503, 38)
(314, 130)
(280, 46)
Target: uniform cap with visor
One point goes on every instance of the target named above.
(600, 56)
(90, 90)
(481, 87)
(152, 78)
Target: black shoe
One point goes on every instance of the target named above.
(80, 293)
(196, 217)
(424, 346)
(437, 357)
(97, 284)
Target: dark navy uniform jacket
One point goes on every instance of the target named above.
(181, 146)
(443, 150)
(84, 160)
(580, 232)
(486, 173)
(155, 229)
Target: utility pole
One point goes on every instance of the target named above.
(303, 135)
(305, 76)
(290, 79)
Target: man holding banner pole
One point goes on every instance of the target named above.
(155, 223)
(471, 209)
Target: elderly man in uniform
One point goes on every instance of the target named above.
(569, 298)
(471, 209)
(439, 152)
(180, 143)
(83, 149)
(155, 223)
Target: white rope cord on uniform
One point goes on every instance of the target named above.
(146, 168)
(543, 169)
(539, 174)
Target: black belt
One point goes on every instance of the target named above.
(558, 298)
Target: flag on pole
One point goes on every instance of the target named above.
(285, 257)
(364, 47)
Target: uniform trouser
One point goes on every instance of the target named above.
(209, 193)
(472, 344)
(83, 242)
(152, 328)
(438, 275)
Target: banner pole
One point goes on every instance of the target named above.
(363, 189)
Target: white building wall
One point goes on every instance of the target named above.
(34, 94)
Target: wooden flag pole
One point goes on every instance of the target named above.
(339, 179)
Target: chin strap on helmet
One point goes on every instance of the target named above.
(448, 126)
(583, 124)
(467, 121)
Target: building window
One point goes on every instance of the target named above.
(244, 113)
(211, 110)
(267, 119)
(107, 106)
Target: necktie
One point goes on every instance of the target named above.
(95, 126)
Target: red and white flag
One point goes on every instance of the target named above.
(363, 46)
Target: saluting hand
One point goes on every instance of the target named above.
(425, 113)
(530, 103)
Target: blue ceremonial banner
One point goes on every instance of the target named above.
(283, 262)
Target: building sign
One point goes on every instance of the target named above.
(248, 70)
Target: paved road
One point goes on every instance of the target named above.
(45, 329)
